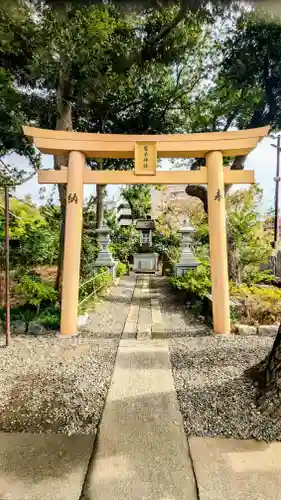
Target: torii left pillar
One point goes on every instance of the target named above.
(72, 243)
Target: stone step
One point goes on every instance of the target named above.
(43, 467)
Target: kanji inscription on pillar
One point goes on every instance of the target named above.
(72, 198)
(145, 158)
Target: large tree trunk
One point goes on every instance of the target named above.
(100, 204)
(234, 271)
(267, 377)
(64, 122)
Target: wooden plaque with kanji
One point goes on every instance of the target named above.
(145, 158)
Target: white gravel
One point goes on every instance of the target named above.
(178, 318)
(50, 384)
(54, 385)
(215, 399)
(109, 317)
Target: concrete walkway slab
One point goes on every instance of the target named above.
(130, 327)
(43, 467)
(144, 320)
(229, 469)
(141, 451)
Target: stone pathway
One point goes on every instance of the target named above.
(143, 307)
(58, 467)
(139, 320)
(43, 467)
(155, 313)
(141, 451)
(232, 469)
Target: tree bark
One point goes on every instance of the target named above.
(234, 270)
(64, 122)
(200, 192)
(267, 377)
(100, 204)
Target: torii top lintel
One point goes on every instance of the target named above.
(234, 143)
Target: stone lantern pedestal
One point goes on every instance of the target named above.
(187, 259)
(104, 258)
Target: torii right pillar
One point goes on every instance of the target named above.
(218, 242)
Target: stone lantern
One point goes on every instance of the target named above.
(187, 259)
(104, 258)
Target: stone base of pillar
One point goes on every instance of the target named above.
(181, 268)
(145, 262)
(111, 266)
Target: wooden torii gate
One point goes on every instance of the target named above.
(145, 149)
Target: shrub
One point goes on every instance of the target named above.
(90, 248)
(258, 305)
(34, 292)
(121, 269)
(249, 243)
(254, 276)
(166, 241)
(94, 285)
(25, 313)
(50, 318)
(196, 282)
(125, 241)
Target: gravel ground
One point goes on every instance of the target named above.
(215, 399)
(54, 385)
(109, 317)
(178, 319)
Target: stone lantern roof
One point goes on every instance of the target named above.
(187, 227)
(146, 224)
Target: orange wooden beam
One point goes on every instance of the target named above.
(161, 177)
(168, 146)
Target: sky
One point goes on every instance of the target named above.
(262, 160)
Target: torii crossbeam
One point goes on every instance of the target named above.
(145, 149)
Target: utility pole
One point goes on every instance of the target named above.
(277, 181)
(7, 267)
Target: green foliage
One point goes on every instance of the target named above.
(251, 70)
(199, 220)
(125, 241)
(50, 318)
(138, 197)
(196, 282)
(249, 241)
(258, 305)
(37, 300)
(166, 241)
(121, 269)
(89, 254)
(25, 313)
(96, 68)
(254, 276)
(34, 239)
(90, 246)
(25, 217)
(91, 288)
(34, 292)
(17, 41)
